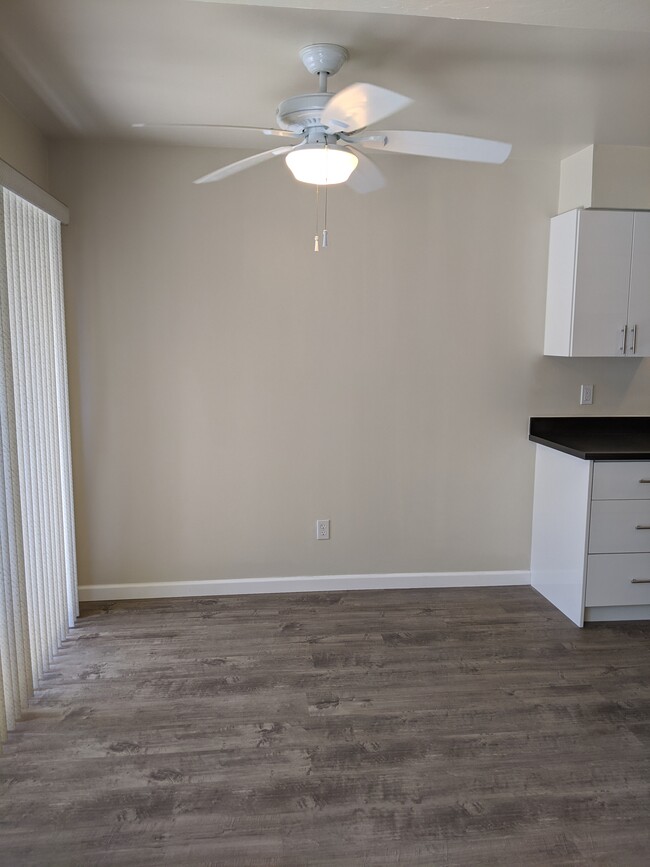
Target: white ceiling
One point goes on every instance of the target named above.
(589, 14)
(93, 67)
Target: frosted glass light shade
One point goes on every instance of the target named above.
(320, 164)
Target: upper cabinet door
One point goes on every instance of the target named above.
(639, 309)
(601, 282)
(590, 256)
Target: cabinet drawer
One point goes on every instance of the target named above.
(621, 480)
(610, 579)
(614, 523)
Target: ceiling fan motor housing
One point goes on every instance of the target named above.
(301, 112)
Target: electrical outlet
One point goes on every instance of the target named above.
(586, 395)
(323, 528)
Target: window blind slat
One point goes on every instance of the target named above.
(63, 418)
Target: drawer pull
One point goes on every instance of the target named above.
(644, 481)
(640, 581)
(642, 527)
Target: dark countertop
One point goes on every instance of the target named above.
(613, 438)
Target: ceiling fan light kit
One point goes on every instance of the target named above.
(321, 164)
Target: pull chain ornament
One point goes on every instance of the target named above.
(325, 240)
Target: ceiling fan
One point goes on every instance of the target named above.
(330, 129)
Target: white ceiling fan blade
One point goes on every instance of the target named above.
(439, 144)
(366, 178)
(242, 165)
(263, 130)
(360, 105)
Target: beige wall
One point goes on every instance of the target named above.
(605, 176)
(621, 177)
(576, 180)
(22, 145)
(229, 386)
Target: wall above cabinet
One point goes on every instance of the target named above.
(598, 294)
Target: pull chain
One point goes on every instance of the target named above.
(325, 235)
(325, 239)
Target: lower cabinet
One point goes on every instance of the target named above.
(590, 552)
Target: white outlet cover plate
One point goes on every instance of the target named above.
(323, 529)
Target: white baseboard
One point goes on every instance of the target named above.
(300, 584)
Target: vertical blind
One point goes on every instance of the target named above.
(38, 585)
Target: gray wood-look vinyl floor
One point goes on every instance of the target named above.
(428, 727)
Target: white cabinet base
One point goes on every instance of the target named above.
(587, 554)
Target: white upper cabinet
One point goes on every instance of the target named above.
(598, 298)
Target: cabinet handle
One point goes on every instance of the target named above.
(642, 527)
(644, 481)
(631, 348)
(621, 347)
(640, 581)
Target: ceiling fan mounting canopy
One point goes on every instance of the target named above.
(323, 57)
